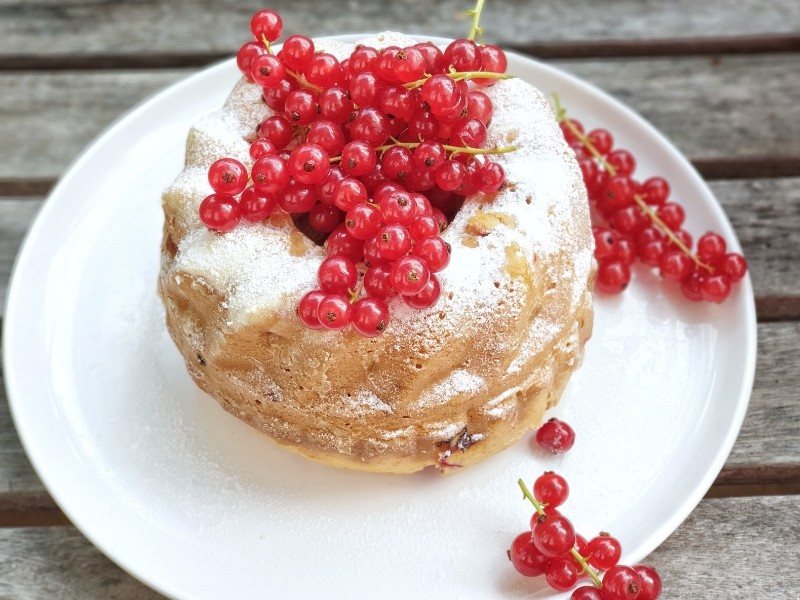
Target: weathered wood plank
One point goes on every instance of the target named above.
(58, 562)
(185, 27)
(767, 451)
(736, 108)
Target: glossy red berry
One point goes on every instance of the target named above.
(297, 198)
(227, 176)
(341, 243)
(270, 174)
(650, 582)
(526, 558)
(323, 70)
(377, 281)
(434, 251)
(555, 436)
(710, 247)
(334, 311)
(675, 265)
(363, 221)
(337, 275)
(427, 296)
(307, 309)
(220, 212)
(716, 287)
(393, 241)
(256, 207)
(358, 158)
(604, 551)
(247, 54)
(621, 583)
(553, 535)
(613, 276)
(276, 129)
(551, 489)
(370, 316)
(309, 164)
(733, 265)
(409, 275)
(655, 190)
(324, 217)
(266, 23)
(296, 52)
(562, 574)
(586, 592)
(267, 71)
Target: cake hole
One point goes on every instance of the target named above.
(417, 366)
(301, 388)
(528, 199)
(450, 295)
(201, 360)
(442, 315)
(497, 284)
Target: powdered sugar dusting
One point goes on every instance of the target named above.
(530, 222)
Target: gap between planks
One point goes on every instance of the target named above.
(707, 46)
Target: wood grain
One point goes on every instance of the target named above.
(187, 27)
(714, 555)
(741, 107)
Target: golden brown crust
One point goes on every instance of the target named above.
(446, 386)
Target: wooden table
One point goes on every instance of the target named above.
(720, 78)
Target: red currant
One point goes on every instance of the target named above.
(526, 558)
(613, 276)
(370, 316)
(307, 309)
(337, 275)
(650, 582)
(586, 592)
(621, 583)
(334, 311)
(555, 436)
(409, 275)
(562, 574)
(716, 287)
(604, 551)
(363, 221)
(733, 265)
(341, 243)
(227, 176)
(434, 251)
(427, 296)
(324, 217)
(553, 535)
(296, 52)
(220, 212)
(266, 23)
(255, 206)
(309, 164)
(393, 241)
(551, 489)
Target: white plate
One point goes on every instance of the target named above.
(198, 505)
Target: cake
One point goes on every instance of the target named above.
(445, 386)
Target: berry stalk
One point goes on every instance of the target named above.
(573, 552)
(475, 13)
(561, 117)
(458, 76)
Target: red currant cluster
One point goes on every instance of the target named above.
(638, 220)
(376, 151)
(553, 549)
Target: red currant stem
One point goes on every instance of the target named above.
(458, 75)
(300, 79)
(452, 149)
(585, 568)
(266, 43)
(475, 13)
(577, 555)
(527, 494)
(561, 116)
(335, 159)
(670, 234)
(356, 293)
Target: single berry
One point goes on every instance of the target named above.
(276, 129)
(335, 104)
(363, 221)
(655, 190)
(586, 592)
(377, 281)
(324, 217)
(675, 265)
(710, 247)
(562, 574)
(358, 158)
(716, 287)
(309, 164)
(613, 276)
(409, 275)
(551, 489)
(370, 317)
(393, 241)
(650, 582)
(434, 251)
(297, 198)
(341, 243)
(553, 535)
(526, 558)
(220, 212)
(266, 23)
(256, 206)
(296, 52)
(307, 309)
(621, 583)
(400, 208)
(601, 139)
(270, 174)
(427, 296)
(603, 551)
(327, 135)
(733, 265)
(301, 106)
(337, 275)
(227, 176)
(324, 70)
(267, 71)
(334, 311)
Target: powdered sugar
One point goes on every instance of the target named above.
(529, 222)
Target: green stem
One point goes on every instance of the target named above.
(458, 75)
(577, 555)
(525, 492)
(476, 16)
(562, 117)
